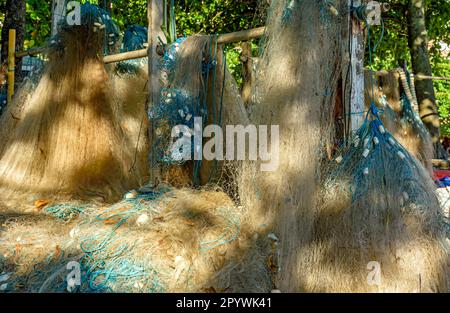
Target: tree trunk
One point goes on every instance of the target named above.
(418, 44)
(14, 18)
(247, 71)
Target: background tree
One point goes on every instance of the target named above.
(420, 60)
(395, 47)
(14, 18)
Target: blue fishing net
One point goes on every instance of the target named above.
(134, 38)
(107, 262)
(383, 180)
(177, 107)
(94, 18)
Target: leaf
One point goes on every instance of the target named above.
(40, 204)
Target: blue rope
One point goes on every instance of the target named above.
(65, 212)
(105, 266)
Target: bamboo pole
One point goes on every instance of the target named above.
(142, 53)
(154, 15)
(243, 35)
(30, 52)
(11, 63)
(222, 39)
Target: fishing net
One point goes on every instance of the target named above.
(295, 89)
(383, 210)
(134, 38)
(196, 85)
(98, 19)
(154, 240)
(399, 116)
(66, 132)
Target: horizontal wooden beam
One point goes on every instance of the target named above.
(222, 39)
(243, 35)
(30, 52)
(419, 77)
(131, 55)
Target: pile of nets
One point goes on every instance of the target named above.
(400, 116)
(384, 210)
(63, 134)
(155, 240)
(373, 153)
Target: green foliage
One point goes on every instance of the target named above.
(129, 12)
(215, 16)
(442, 68)
(394, 47)
(38, 22)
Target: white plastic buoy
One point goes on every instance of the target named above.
(391, 141)
(138, 285)
(4, 277)
(339, 159)
(366, 142)
(401, 155)
(405, 196)
(376, 141)
(366, 171)
(131, 195)
(272, 237)
(356, 141)
(74, 232)
(382, 130)
(366, 153)
(188, 117)
(142, 220)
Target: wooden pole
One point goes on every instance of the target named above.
(357, 71)
(223, 39)
(11, 63)
(154, 15)
(247, 71)
(30, 52)
(243, 35)
(126, 56)
(58, 14)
